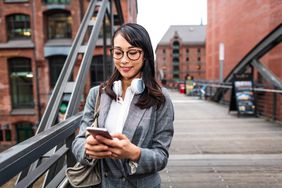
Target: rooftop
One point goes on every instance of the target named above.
(188, 34)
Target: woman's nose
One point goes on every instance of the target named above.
(124, 59)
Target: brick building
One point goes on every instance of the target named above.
(181, 52)
(240, 25)
(35, 40)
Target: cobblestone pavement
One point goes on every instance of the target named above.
(214, 149)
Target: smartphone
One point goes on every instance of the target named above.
(99, 131)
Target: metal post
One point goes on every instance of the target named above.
(274, 106)
(221, 61)
(105, 63)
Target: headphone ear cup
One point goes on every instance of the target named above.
(137, 86)
(117, 88)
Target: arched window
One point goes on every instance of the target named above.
(59, 25)
(21, 82)
(18, 26)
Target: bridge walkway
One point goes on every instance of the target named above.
(212, 148)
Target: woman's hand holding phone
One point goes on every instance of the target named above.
(121, 147)
(101, 145)
(96, 149)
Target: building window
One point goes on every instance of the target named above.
(21, 82)
(199, 59)
(24, 131)
(59, 26)
(97, 70)
(18, 27)
(199, 52)
(175, 60)
(5, 135)
(8, 135)
(175, 68)
(164, 51)
(175, 48)
(56, 1)
(1, 135)
(56, 64)
(187, 55)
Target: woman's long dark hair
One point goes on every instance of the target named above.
(137, 36)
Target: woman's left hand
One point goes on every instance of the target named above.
(121, 147)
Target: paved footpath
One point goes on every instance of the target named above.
(214, 149)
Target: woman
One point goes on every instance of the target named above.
(137, 112)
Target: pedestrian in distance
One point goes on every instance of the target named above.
(137, 112)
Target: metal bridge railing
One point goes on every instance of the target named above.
(22, 155)
(264, 95)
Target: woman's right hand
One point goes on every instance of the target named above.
(95, 149)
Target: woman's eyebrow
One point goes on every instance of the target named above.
(130, 47)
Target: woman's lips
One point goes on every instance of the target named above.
(125, 69)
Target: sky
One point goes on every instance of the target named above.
(157, 15)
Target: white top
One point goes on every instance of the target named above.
(118, 112)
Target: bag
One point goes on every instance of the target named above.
(86, 176)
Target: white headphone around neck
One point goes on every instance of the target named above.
(137, 86)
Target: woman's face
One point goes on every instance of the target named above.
(127, 58)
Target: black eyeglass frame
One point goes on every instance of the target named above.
(123, 52)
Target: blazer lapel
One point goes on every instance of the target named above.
(105, 104)
(133, 119)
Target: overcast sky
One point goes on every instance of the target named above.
(157, 15)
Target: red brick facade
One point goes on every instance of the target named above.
(191, 66)
(190, 58)
(33, 49)
(240, 25)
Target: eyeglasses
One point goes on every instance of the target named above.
(132, 54)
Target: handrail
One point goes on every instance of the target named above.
(38, 172)
(229, 86)
(208, 89)
(20, 156)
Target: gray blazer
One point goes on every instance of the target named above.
(151, 129)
